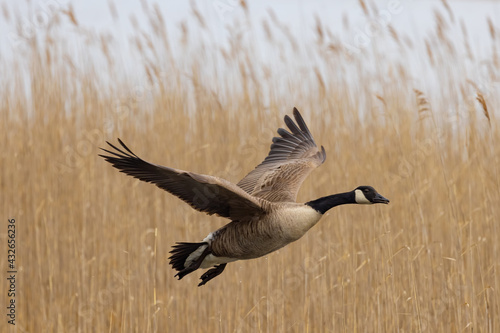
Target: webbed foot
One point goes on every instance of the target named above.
(211, 273)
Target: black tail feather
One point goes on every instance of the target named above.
(181, 252)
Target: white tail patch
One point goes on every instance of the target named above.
(211, 260)
(361, 199)
(199, 251)
(195, 255)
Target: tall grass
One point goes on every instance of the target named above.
(419, 125)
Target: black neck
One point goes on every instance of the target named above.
(323, 204)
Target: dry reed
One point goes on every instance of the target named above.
(93, 243)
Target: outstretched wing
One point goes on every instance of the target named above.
(292, 157)
(208, 194)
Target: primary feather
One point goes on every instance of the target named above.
(291, 158)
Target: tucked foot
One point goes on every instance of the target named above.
(185, 272)
(211, 273)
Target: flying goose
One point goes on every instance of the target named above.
(261, 207)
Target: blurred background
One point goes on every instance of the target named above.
(403, 95)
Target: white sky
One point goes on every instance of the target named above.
(416, 18)
(413, 17)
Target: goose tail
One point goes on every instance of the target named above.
(187, 257)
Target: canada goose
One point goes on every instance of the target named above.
(262, 209)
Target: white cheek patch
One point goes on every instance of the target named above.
(361, 199)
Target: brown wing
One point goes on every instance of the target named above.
(208, 194)
(292, 157)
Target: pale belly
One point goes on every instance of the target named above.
(240, 241)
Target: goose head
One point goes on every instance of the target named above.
(368, 195)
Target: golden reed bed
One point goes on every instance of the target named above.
(92, 244)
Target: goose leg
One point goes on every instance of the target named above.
(211, 273)
(194, 266)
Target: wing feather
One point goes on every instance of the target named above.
(208, 194)
(291, 158)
